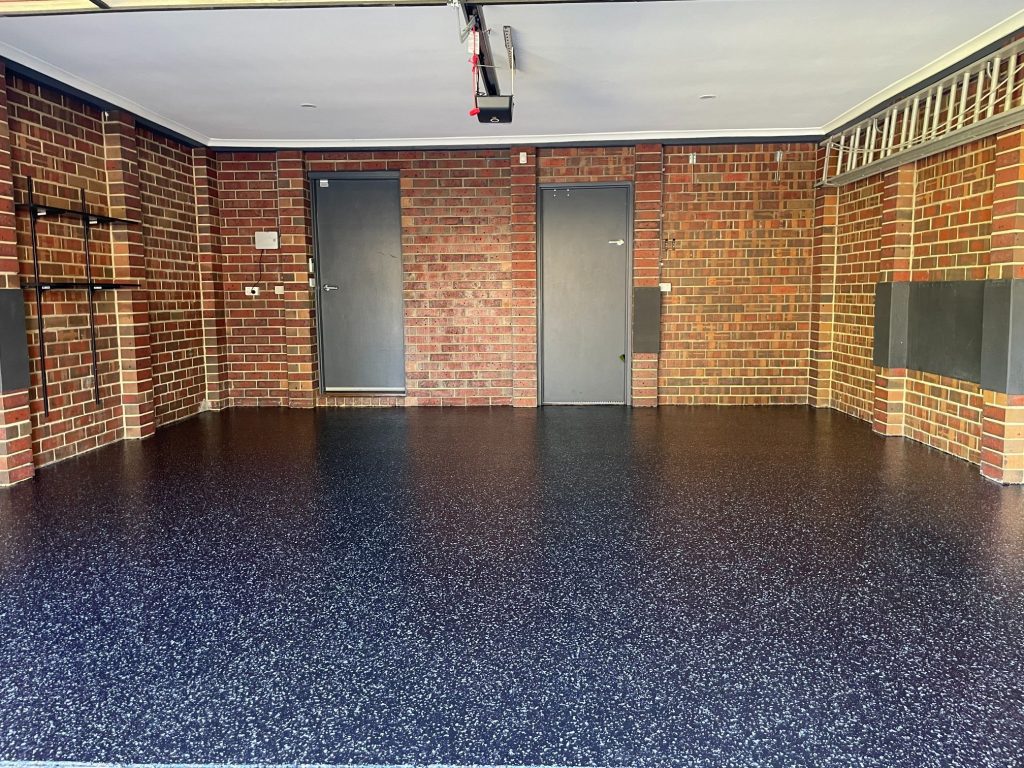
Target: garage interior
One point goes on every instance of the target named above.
(512, 383)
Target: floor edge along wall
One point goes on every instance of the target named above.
(774, 281)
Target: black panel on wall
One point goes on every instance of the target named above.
(1002, 357)
(995, 343)
(647, 320)
(892, 306)
(967, 330)
(13, 341)
(945, 328)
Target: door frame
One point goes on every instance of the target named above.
(314, 177)
(628, 366)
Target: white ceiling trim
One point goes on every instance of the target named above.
(953, 57)
(99, 92)
(502, 141)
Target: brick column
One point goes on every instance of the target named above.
(896, 248)
(211, 276)
(1006, 260)
(1002, 427)
(647, 192)
(15, 422)
(129, 267)
(524, 277)
(296, 250)
(1002, 438)
(823, 283)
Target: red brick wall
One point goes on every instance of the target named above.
(456, 235)
(465, 317)
(945, 414)
(255, 335)
(59, 142)
(584, 164)
(953, 213)
(167, 194)
(930, 220)
(857, 253)
(738, 227)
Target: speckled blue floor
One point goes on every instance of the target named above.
(686, 587)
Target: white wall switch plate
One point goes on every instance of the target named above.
(266, 241)
(665, 287)
(279, 290)
(522, 158)
(252, 290)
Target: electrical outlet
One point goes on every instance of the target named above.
(252, 290)
(279, 290)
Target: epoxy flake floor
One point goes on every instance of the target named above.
(685, 587)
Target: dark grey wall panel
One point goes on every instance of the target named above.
(883, 308)
(1015, 362)
(13, 341)
(945, 328)
(995, 341)
(647, 320)
(892, 308)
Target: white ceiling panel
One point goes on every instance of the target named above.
(586, 71)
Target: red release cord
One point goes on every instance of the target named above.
(474, 59)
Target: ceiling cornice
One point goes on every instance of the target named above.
(98, 92)
(957, 56)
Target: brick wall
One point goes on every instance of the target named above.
(255, 337)
(953, 213)
(150, 340)
(856, 271)
(925, 221)
(59, 141)
(168, 203)
(944, 413)
(738, 226)
(457, 283)
(584, 164)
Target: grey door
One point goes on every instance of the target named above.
(584, 246)
(359, 282)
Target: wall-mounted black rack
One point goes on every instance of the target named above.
(38, 211)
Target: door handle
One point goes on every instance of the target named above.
(329, 287)
(616, 242)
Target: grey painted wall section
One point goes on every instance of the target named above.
(647, 320)
(967, 330)
(945, 328)
(13, 341)
(1002, 367)
(995, 344)
(892, 314)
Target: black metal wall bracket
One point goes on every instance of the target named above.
(89, 220)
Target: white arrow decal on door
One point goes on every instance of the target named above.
(616, 242)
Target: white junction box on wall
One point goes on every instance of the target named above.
(266, 241)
